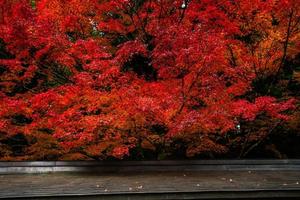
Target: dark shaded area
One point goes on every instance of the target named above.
(23, 87)
(141, 66)
(249, 38)
(17, 143)
(2, 69)
(277, 146)
(20, 120)
(263, 86)
(4, 54)
(159, 129)
(293, 67)
(117, 39)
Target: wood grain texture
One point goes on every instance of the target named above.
(153, 185)
(142, 166)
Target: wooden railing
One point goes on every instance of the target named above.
(136, 166)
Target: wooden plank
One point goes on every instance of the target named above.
(136, 166)
(159, 185)
(155, 163)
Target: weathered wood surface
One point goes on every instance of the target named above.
(196, 179)
(153, 185)
(138, 166)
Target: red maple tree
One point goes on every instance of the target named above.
(114, 78)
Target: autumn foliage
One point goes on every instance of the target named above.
(101, 79)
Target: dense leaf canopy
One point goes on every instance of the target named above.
(106, 79)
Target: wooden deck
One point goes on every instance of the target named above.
(217, 183)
